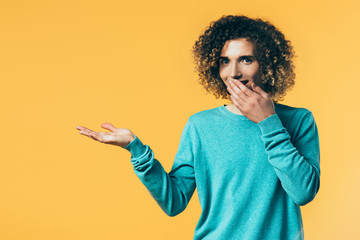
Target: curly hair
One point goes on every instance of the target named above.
(273, 52)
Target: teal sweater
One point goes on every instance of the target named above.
(251, 178)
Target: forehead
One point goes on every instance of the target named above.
(236, 47)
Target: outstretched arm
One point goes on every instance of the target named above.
(173, 190)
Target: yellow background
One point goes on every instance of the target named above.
(68, 63)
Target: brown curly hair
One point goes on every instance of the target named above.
(273, 52)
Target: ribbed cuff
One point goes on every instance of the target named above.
(270, 124)
(136, 147)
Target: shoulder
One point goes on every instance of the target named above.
(292, 114)
(289, 110)
(204, 116)
(295, 119)
(300, 123)
(197, 122)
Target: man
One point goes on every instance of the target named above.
(254, 162)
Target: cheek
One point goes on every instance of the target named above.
(223, 75)
(221, 72)
(256, 73)
(256, 70)
(258, 79)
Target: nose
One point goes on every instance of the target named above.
(235, 71)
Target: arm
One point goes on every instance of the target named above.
(173, 190)
(296, 163)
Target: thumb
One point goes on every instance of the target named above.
(109, 126)
(258, 89)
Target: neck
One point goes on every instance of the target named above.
(232, 108)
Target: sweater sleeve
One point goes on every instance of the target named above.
(296, 162)
(172, 191)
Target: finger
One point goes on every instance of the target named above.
(109, 127)
(236, 103)
(239, 96)
(89, 133)
(98, 136)
(85, 132)
(243, 88)
(258, 90)
(236, 92)
(81, 128)
(95, 136)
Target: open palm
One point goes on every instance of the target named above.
(117, 136)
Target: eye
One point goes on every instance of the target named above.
(224, 61)
(247, 60)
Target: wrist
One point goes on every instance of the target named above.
(264, 117)
(270, 124)
(131, 138)
(136, 147)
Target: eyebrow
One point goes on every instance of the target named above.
(241, 57)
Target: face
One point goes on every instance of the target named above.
(237, 62)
